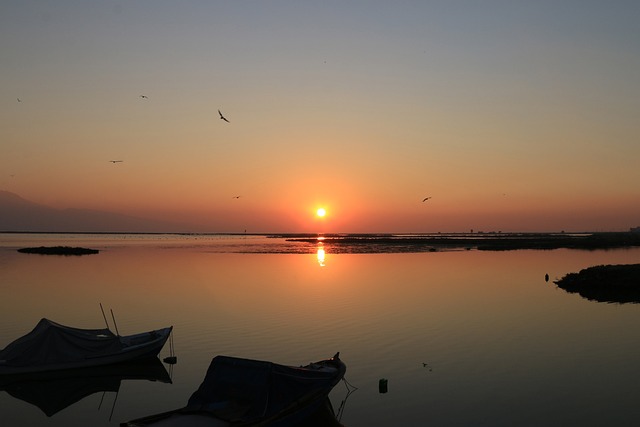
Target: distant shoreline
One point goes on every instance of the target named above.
(491, 242)
(421, 242)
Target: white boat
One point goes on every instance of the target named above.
(51, 346)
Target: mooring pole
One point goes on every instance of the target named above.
(114, 322)
(105, 317)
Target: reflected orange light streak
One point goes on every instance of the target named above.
(321, 256)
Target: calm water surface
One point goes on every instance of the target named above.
(501, 346)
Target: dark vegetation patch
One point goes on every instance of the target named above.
(556, 241)
(58, 250)
(479, 241)
(605, 283)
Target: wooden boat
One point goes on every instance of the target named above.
(54, 391)
(244, 392)
(51, 346)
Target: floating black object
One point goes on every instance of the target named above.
(171, 360)
(382, 385)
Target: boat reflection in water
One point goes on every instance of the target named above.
(325, 416)
(56, 390)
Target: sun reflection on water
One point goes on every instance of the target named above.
(320, 255)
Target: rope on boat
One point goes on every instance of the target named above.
(171, 359)
(350, 389)
(171, 344)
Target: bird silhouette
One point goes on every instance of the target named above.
(19, 100)
(426, 198)
(144, 97)
(223, 117)
(235, 197)
(116, 161)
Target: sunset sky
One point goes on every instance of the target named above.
(510, 115)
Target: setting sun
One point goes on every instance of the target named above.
(321, 212)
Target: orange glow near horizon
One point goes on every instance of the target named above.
(560, 161)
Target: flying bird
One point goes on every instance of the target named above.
(235, 197)
(426, 198)
(144, 97)
(223, 117)
(116, 161)
(19, 100)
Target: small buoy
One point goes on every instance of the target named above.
(171, 360)
(382, 385)
(546, 277)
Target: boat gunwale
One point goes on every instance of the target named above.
(127, 353)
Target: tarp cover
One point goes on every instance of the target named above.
(243, 390)
(50, 343)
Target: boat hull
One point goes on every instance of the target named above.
(230, 395)
(130, 348)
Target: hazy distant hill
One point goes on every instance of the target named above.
(18, 214)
